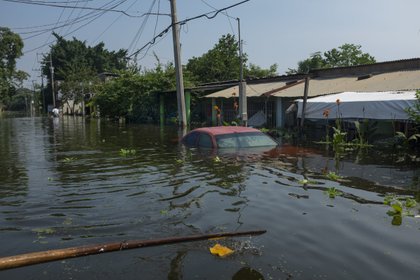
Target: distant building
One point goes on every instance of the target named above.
(273, 96)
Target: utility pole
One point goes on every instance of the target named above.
(243, 111)
(182, 116)
(44, 109)
(52, 78)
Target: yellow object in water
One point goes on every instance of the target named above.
(220, 250)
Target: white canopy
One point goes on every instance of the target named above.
(388, 105)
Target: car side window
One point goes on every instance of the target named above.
(191, 139)
(204, 141)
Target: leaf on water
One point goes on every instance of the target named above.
(221, 251)
(217, 159)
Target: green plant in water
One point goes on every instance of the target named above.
(333, 192)
(69, 159)
(333, 176)
(306, 181)
(127, 152)
(217, 159)
(399, 207)
(405, 140)
(410, 203)
(339, 138)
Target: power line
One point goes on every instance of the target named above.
(136, 38)
(69, 23)
(166, 30)
(112, 23)
(225, 13)
(78, 28)
(51, 4)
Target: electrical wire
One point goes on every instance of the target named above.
(139, 32)
(166, 30)
(78, 28)
(225, 13)
(154, 30)
(76, 20)
(51, 4)
(112, 23)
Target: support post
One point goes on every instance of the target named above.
(213, 112)
(182, 118)
(243, 111)
(305, 99)
(52, 79)
(162, 109)
(188, 106)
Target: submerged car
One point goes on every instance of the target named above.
(228, 137)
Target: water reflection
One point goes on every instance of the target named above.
(247, 273)
(67, 184)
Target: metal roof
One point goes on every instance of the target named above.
(401, 80)
(252, 90)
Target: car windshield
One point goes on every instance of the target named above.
(244, 140)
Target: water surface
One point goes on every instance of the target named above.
(64, 183)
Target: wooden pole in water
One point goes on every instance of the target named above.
(74, 252)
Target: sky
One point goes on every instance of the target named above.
(273, 31)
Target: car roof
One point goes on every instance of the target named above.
(218, 130)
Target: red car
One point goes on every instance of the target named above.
(232, 137)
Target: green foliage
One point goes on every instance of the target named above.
(404, 141)
(69, 159)
(339, 138)
(344, 55)
(254, 71)
(414, 112)
(77, 66)
(399, 207)
(333, 176)
(11, 46)
(127, 152)
(134, 94)
(68, 54)
(222, 63)
(80, 82)
(333, 192)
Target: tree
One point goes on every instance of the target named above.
(255, 71)
(77, 65)
(414, 112)
(11, 46)
(133, 94)
(222, 63)
(345, 55)
(79, 83)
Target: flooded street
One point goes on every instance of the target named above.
(66, 182)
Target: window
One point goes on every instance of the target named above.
(191, 139)
(204, 141)
(244, 140)
(227, 141)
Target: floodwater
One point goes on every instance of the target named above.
(65, 183)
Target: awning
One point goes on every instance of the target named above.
(252, 90)
(392, 81)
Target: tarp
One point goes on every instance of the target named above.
(388, 105)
